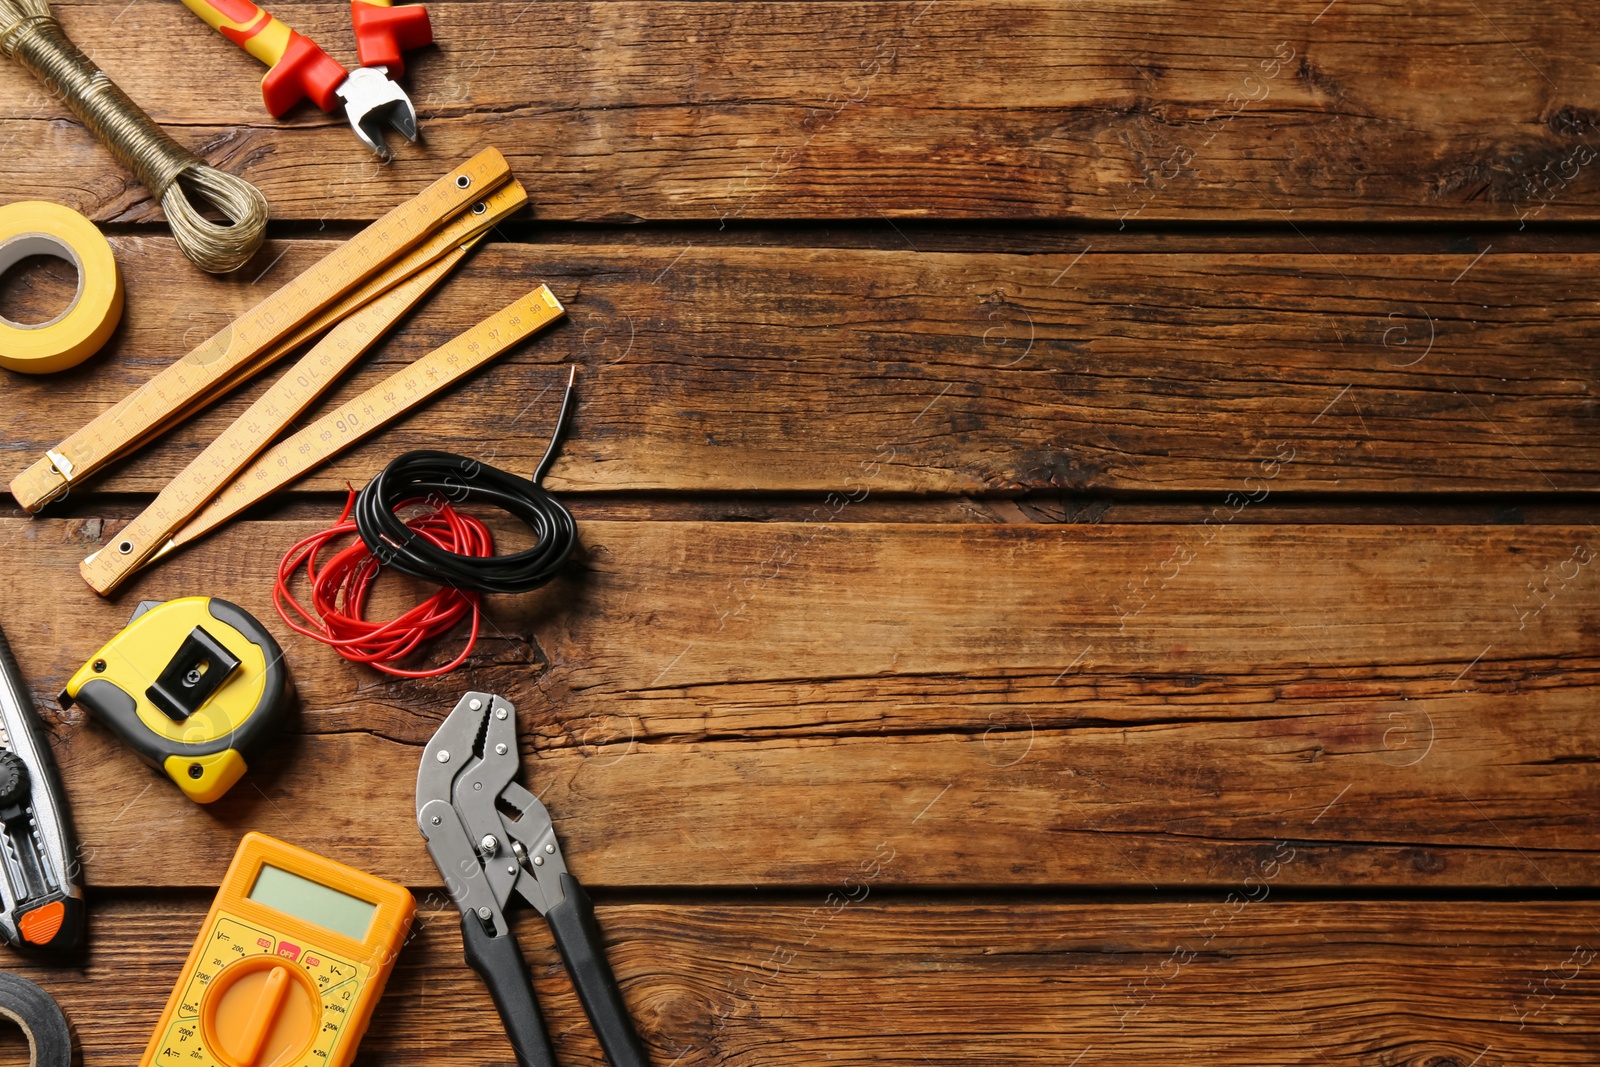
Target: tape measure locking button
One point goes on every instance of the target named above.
(195, 686)
(40, 228)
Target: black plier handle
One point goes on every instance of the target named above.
(498, 960)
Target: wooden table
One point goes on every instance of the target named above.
(1086, 517)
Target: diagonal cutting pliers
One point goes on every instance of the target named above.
(300, 69)
(492, 839)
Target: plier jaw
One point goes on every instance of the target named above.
(491, 838)
(371, 102)
(495, 836)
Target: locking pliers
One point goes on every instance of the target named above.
(492, 839)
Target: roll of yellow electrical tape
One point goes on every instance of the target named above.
(38, 228)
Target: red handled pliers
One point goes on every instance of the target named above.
(301, 70)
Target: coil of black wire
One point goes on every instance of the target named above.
(429, 475)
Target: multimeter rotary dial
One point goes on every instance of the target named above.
(260, 1012)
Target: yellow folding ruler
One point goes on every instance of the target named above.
(287, 398)
(182, 510)
(390, 398)
(268, 331)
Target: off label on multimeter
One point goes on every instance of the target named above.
(292, 956)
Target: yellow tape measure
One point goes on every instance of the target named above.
(196, 686)
(240, 345)
(264, 420)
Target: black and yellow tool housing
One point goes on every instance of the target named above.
(195, 686)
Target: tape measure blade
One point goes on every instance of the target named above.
(250, 434)
(122, 427)
(353, 421)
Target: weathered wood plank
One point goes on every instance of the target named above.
(1027, 109)
(848, 979)
(850, 371)
(752, 704)
(1060, 507)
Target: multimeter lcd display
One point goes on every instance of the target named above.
(313, 902)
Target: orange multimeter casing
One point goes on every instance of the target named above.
(292, 957)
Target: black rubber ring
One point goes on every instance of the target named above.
(41, 1019)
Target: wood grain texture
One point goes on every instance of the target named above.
(1472, 109)
(1093, 647)
(848, 978)
(850, 371)
(715, 704)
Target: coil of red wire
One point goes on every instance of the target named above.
(341, 588)
(438, 544)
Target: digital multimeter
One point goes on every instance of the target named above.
(292, 957)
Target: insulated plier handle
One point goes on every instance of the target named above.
(498, 960)
(384, 33)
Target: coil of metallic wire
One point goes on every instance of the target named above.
(30, 34)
